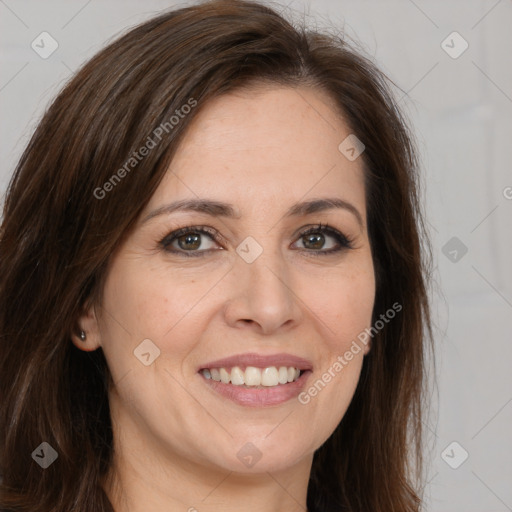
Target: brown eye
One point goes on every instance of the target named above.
(188, 241)
(192, 241)
(314, 240)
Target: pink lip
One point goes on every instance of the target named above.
(259, 397)
(259, 361)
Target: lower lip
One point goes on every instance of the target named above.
(261, 397)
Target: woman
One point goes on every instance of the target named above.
(213, 293)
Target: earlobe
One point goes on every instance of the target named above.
(86, 335)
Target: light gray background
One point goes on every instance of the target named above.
(462, 112)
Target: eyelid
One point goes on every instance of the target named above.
(345, 242)
(176, 233)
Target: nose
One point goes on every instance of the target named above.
(262, 295)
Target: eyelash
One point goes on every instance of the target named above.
(344, 241)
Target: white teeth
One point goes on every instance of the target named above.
(252, 376)
(270, 376)
(237, 376)
(224, 376)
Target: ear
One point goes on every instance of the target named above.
(367, 347)
(88, 323)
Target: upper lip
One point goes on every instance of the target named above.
(259, 361)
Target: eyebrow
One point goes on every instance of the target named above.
(219, 209)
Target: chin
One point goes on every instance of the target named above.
(262, 456)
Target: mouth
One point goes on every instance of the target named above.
(253, 377)
(256, 380)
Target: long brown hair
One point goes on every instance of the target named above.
(58, 235)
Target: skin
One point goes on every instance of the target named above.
(176, 440)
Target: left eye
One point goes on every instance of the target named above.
(189, 240)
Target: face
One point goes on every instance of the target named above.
(260, 282)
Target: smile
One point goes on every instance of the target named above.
(270, 376)
(255, 379)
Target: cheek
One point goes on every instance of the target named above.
(152, 302)
(149, 300)
(344, 306)
(344, 303)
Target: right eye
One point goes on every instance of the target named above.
(187, 240)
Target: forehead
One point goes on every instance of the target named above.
(258, 146)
